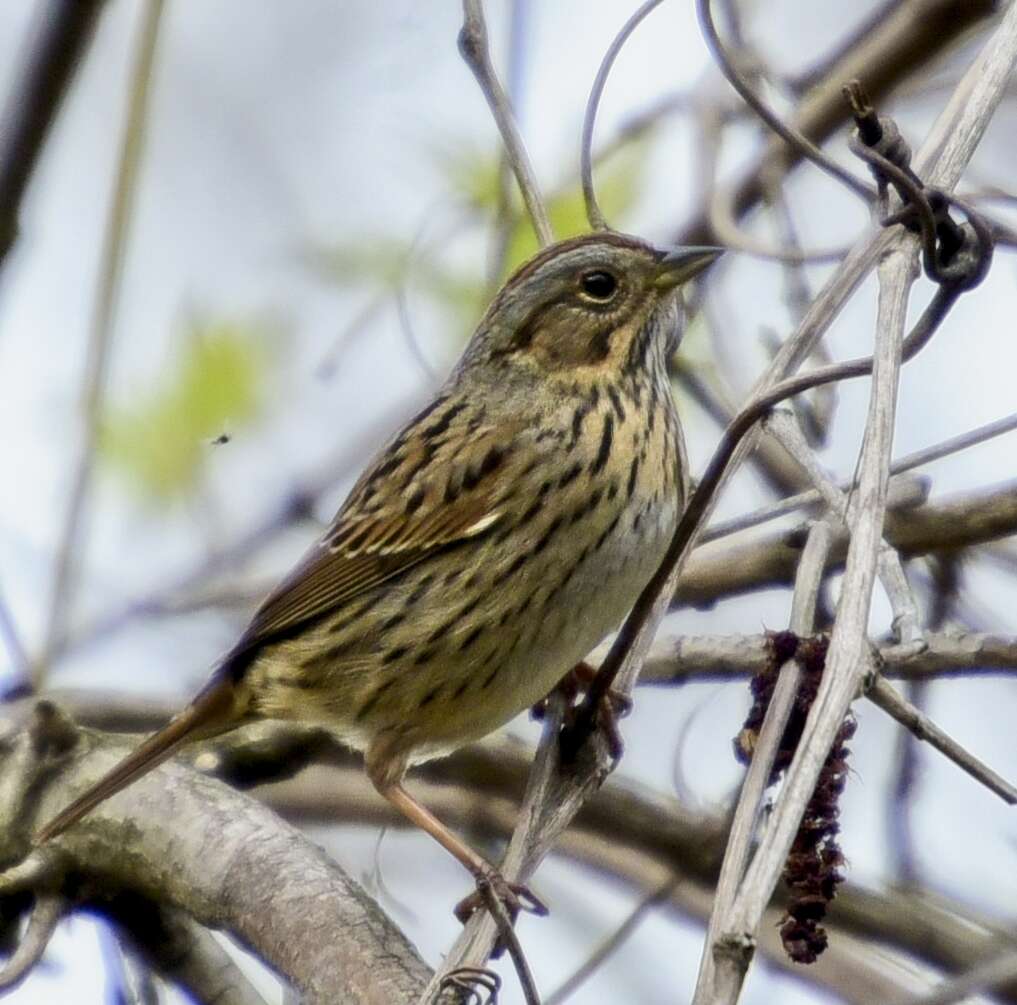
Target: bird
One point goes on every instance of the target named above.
(489, 546)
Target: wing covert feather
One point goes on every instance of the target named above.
(421, 495)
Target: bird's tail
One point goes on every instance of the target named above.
(214, 711)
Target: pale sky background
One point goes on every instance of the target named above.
(278, 127)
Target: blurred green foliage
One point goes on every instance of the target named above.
(216, 383)
(381, 263)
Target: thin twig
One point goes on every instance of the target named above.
(412, 340)
(61, 34)
(905, 494)
(507, 934)
(955, 522)
(594, 214)
(100, 339)
(727, 951)
(892, 45)
(885, 696)
(906, 616)
(356, 325)
(474, 48)
(907, 463)
(770, 462)
(724, 225)
(504, 214)
(789, 134)
(817, 412)
(845, 660)
(612, 943)
(899, 814)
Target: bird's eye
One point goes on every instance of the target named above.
(599, 285)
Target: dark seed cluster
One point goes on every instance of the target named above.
(813, 868)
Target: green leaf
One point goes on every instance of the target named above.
(217, 381)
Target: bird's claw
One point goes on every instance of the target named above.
(514, 897)
(613, 707)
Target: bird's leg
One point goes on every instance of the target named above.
(515, 896)
(615, 705)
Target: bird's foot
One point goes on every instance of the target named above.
(613, 707)
(513, 897)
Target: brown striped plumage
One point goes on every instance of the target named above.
(491, 544)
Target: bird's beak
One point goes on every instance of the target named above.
(679, 265)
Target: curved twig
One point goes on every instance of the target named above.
(593, 212)
(789, 134)
(730, 235)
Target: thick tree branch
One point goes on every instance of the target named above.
(680, 658)
(194, 844)
(480, 788)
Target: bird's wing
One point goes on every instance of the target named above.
(425, 492)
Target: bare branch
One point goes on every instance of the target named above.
(507, 935)
(724, 225)
(219, 856)
(927, 455)
(474, 48)
(682, 658)
(895, 42)
(907, 619)
(793, 137)
(883, 694)
(845, 661)
(100, 338)
(727, 949)
(62, 32)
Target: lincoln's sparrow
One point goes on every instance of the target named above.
(490, 546)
